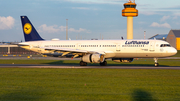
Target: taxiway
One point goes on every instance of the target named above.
(76, 66)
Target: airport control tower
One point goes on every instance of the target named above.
(130, 11)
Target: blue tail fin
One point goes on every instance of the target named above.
(30, 33)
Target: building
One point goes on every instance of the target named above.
(174, 38)
(130, 11)
(159, 37)
(14, 49)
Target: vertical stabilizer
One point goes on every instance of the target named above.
(30, 33)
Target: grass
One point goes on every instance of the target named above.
(139, 62)
(29, 84)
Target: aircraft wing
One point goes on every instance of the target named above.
(23, 44)
(64, 49)
(71, 51)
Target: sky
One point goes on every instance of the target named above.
(87, 19)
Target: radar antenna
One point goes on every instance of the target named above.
(133, 1)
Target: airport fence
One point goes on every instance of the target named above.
(16, 51)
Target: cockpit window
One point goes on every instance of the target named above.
(165, 45)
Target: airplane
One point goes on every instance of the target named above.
(95, 51)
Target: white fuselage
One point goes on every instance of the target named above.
(111, 48)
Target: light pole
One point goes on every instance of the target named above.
(66, 29)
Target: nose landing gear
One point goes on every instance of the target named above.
(156, 62)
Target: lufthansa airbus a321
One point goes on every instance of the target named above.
(96, 51)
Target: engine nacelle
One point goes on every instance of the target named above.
(124, 60)
(93, 58)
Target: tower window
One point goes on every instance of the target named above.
(129, 6)
(133, 6)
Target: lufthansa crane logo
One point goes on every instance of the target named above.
(27, 28)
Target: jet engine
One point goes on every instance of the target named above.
(93, 58)
(124, 60)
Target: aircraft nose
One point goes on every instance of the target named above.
(173, 51)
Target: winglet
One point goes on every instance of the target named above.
(30, 33)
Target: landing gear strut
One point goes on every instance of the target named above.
(103, 63)
(156, 63)
(83, 63)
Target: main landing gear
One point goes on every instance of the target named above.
(103, 63)
(156, 63)
(83, 63)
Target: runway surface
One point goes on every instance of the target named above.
(76, 66)
(58, 58)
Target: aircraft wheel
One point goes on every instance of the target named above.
(103, 63)
(83, 63)
(156, 64)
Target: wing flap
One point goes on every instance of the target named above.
(65, 50)
(71, 50)
(23, 44)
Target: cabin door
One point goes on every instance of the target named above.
(152, 47)
(78, 46)
(38, 47)
(118, 47)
